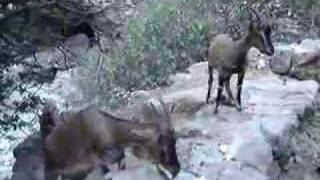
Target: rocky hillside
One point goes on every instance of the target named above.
(252, 144)
(156, 46)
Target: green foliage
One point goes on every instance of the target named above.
(167, 39)
(307, 74)
(305, 4)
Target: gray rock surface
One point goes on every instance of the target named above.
(229, 145)
(232, 144)
(245, 139)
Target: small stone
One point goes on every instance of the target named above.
(223, 148)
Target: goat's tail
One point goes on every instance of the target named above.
(205, 54)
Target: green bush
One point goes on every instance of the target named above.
(167, 39)
(305, 4)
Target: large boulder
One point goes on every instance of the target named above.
(301, 61)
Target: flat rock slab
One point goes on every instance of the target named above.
(234, 145)
(230, 145)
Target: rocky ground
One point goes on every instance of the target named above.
(232, 144)
(252, 144)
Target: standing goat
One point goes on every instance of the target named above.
(230, 57)
(82, 141)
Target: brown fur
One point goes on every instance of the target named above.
(78, 145)
(229, 57)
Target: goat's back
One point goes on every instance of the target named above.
(80, 133)
(220, 51)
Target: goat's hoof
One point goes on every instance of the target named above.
(105, 169)
(228, 102)
(215, 111)
(122, 167)
(238, 106)
(210, 101)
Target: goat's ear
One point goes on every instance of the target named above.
(253, 27)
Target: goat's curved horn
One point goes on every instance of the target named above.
(153, 107)
(289, 69)
(165, 109)
(167, 114)
(163, 120)
(268, 11)
(160, 111)
(255, 13)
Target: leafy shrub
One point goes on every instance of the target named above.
(306, 4)
(166, 38)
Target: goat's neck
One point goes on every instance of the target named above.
(127, 124)
(133, 133)
(136, 126)
(139, 139)
(244, 44)
(138, 134)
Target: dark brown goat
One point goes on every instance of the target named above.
(79, 144)
(230, 57)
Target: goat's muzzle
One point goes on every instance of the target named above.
(174, 170)
(166, 170)
(269, 51)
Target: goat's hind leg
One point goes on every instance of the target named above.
(210, 80)
(114, 154)
(219, 94)
(51, 175)
(230, 98)
(239, 85)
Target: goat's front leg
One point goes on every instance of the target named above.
(112, 155)
(239, 85)
(51, 174)
(210, 80)
(121, 165)
(220, 88)
(50, 170)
